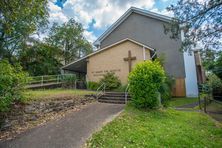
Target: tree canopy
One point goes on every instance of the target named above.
(201, 22)
(18, 20)
(40, 59)
(69, 37)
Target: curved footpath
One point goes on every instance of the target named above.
(70, 131)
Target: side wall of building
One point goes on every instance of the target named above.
(150, 32)
(111, 60)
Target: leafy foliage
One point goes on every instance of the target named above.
(69, 38)
(19, 19)
(12, 81)
(214, 83)
(121, 88)
(201, 21)
(166, 90)
(145, 81)
(41, 59)
(212, 61)
(92, 85)
(217, 68)
(69, 81)
(111, 81)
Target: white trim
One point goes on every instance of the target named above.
(126, 39)
(126, 14)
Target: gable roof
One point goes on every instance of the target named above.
(107, 47)
(125, 16)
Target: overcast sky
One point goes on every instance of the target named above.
(97, 15)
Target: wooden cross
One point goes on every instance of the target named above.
(129, 59)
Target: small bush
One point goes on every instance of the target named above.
(121, 88)
(69, 81)
(111, 81)
(145, 81)
(215, 84)
(166, 90)
(12, 82)
(92, 85)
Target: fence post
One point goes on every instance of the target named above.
(199, 102)
(42, 81)
(205, 104)
(57, 79)
(75, 84)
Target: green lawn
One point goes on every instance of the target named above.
(163, 128)
(31, 95)
(182, 101)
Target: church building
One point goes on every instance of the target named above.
(136, 36)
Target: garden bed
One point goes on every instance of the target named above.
(39, 107)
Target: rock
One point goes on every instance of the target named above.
(29, 109)
(5, 125)
(48, 110)
(33, 118)
(68, 103)
(57, 109)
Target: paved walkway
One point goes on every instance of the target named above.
(191, 105)
(70, 131)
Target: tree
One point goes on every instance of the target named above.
(69, 37)
(201, 21)
(217, 67)
(18, 20)
(212, 61)
(40, 59)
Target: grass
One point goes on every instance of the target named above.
(160, 128)
(175, 102)
(34, 95)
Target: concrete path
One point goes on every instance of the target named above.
(191, 105)
(70, 131)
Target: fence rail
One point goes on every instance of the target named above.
(46, 79)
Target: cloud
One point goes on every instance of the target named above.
(102, 13)
(56, 14)
(163, 12)
(89, 36)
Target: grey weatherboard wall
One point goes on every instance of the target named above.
(150, 32)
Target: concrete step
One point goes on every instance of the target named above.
(115, 93)
(111, 101)
(113, 98)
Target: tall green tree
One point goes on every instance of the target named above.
(217, 68)
(18, 20)
(201, 21)
(40, 58)
(212, 61)
(69, 37)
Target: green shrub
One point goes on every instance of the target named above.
(92, 85)
(12, 82)
(111, 81)
(214, 83)
(145, 81)
(166, 90)
(121, 88)
(69, 81)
